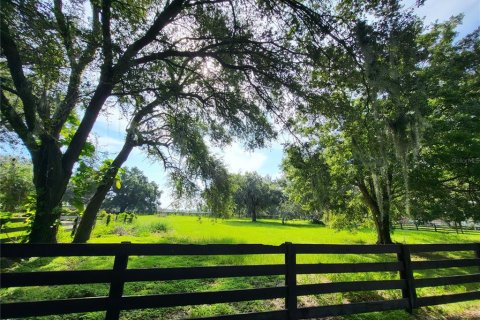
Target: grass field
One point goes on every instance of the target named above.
(181, 229)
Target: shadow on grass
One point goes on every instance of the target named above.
(186, 240)
(22, 264)
(273, 224)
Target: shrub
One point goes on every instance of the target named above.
(158, 227)
(120, 231)
(151, 228)
(69, 211)
(102, 214)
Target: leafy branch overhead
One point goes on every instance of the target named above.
(228, 66)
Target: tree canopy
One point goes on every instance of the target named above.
(391, 125)
(254, 194)
(217, 68)
(133, 194)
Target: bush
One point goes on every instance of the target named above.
(151, 228)
(158, 227)
(120, 231)
(102, 214)
(70, 211)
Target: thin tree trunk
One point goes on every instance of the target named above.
(90, 214)
(254, 215)
(122, 209)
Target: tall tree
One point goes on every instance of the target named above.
(134, 194)
(372, 103)
(61, 57)
(446, 179)
(308, 180)
(255, 194)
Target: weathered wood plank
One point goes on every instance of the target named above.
(349, 286)
(445, 281)
(116, 288)
(5, 240)
(353, 308)
(46, 308)
(434, 300)
(435, 264)
(348, 267)
(409, 292)
(414, 248)
(268, 315)
(346, 248)
(14, 229)
(49, 278)
(190, 299)
(158, 274)
(291, 281)
(69, 250)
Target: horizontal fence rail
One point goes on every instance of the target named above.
(120, 274)
(18, 227)
(445, 228)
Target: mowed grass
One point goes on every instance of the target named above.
(182, 229)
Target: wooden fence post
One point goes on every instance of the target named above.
(477, 252)
(116, 286)
(409, 292)
(291, 281)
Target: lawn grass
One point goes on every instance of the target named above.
(185, 229)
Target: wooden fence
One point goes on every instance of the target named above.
(69, 223)
(116, 301)
(438, 228)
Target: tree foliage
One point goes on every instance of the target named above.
(134, 194)
(396, 127)
(446, 179)
(15, 183)
(222, 66)
(255, 194)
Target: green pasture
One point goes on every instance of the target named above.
(185, 229)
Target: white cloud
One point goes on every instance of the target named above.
(109, 144)
(238, 160)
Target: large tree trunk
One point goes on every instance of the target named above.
(381, 218)
(50, 182)
(90, 214)
(382, 225)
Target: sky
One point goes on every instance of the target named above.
(109, 129)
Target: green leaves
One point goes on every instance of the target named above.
(15, 183)
(135, 193)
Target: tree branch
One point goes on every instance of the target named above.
(170, 12)
(63, 29)
(71, 98)
(107, 80)
(16, 71)
(8, 112)
(106, 36)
